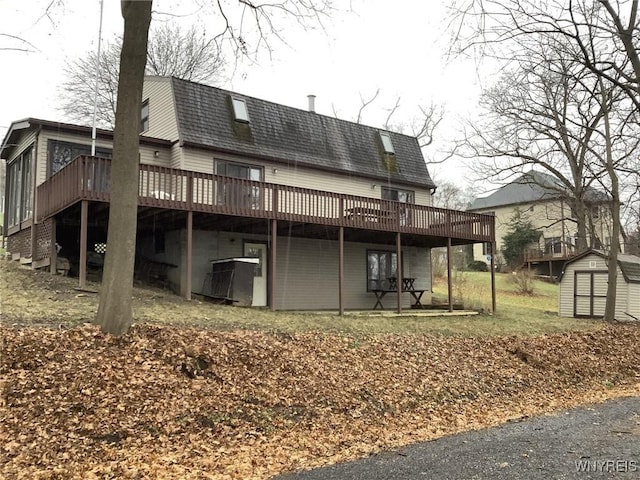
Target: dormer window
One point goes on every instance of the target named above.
(387, 145)
(240, 111)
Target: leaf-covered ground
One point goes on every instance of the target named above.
(178, 402)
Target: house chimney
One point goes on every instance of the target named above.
(312, 103)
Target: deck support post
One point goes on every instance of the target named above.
(493, 277)
(449, 279)
(341, 271)
(399, 268)
(188, 280)
(53, 249)
(272, 262)
(84, 216)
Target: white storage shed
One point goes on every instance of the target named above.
(584, 283)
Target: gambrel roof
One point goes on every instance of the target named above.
(280, 133)
(531, 187)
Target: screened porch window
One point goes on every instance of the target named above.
(381, 265)
(62, 153)
(20, 189)
(239, 194)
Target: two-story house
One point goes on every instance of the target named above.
(332, 209)
(539, 198)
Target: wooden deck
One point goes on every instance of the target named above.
(88, 178)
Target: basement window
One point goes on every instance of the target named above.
(387, 145)
(240, 111)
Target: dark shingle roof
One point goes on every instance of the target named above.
(531, 187)
(291, 135)
(630, 266)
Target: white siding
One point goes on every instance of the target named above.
(155, 155)
(633, 302)
(162, 111)
(566, 288)
(627, 295)
(177, 160)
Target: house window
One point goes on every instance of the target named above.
(239, 194)
(387, 145)
(381, 265)
(62, 153)
(553, 245)
(395, 194)
(20, 188)
(240, 111)
(595, 212)
(402, 196)
(144, 116)
(486, 248)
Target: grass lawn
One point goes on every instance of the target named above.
(515, 313)
(35, 297)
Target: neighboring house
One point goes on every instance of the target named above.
(540, 199)
(328, 206)
(584, 284)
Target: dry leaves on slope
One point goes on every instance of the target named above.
(169, 402)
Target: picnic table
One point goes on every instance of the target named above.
(408, 286)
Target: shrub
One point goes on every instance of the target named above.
(523, 280)
(477, 266)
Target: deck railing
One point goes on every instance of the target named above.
(539, 255)
(88, 178)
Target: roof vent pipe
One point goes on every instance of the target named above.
(312, 103)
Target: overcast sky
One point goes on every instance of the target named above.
(398, 47)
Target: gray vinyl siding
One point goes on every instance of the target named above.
(307, 269)
(162, 111)
(307, 276)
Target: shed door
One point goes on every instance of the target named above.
(590, 294)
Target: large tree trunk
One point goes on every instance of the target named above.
(612, 278)
(114, 311)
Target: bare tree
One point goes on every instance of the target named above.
(115, 307)
(421, 126)
(542, 115)
(598, 38)
(187, 54)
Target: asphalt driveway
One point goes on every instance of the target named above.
(598, 441)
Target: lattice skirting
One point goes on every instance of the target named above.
(20, 243)
(43, 239)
